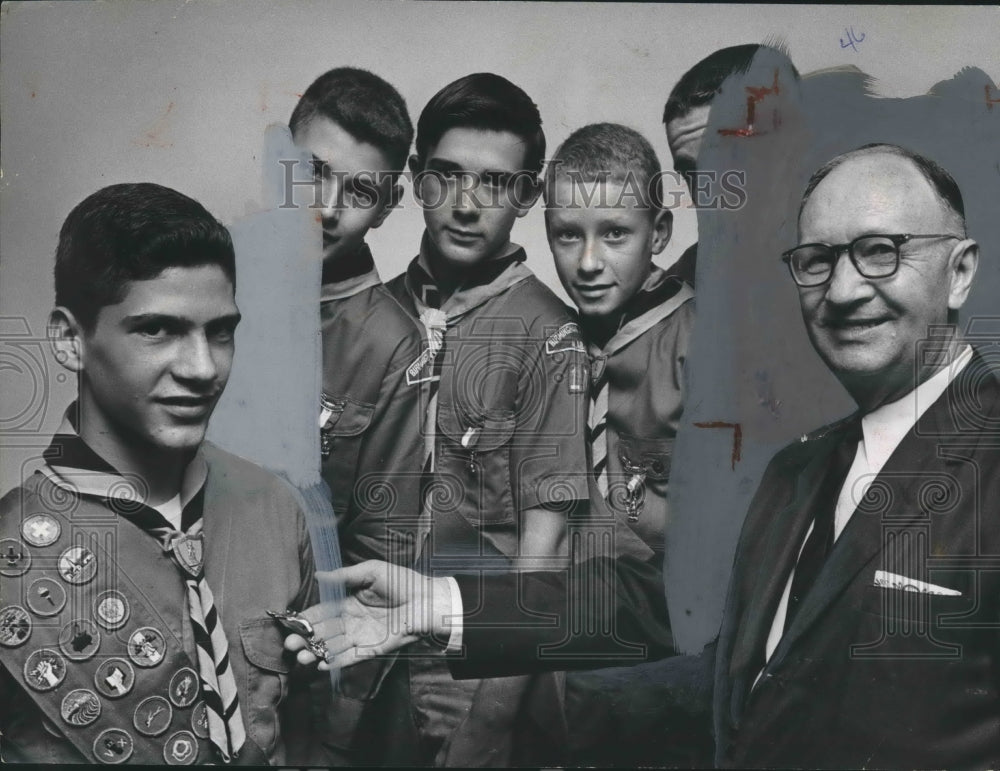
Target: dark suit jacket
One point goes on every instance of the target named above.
(866, 676)
(869, 676)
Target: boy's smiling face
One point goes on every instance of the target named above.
(356, 187)
(473, 188)
(603, 240)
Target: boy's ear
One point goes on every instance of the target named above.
(66, 338)
(393, 197)
(416, 166)
(663, 226)
(527, 194)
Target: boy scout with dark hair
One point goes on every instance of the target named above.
(506, 375)
(138, 564)
(605, 221)
(356, 127)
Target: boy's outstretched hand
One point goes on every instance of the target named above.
(386, 606)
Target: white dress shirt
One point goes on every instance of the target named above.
(882, 431)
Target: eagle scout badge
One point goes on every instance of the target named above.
(41, 529)
(15, 626)
(80, 707)
(80, 639)
(46, 596)
(153, 715)
(114, 678)
(77, 565)
(44, 670)
(199, 720)
(184, 688)
(111, 609)
(15, 559)
(146, 647)
(181, 749)
(113, 746)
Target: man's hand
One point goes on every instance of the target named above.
(386, 607)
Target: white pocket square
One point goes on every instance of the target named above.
(889, 580)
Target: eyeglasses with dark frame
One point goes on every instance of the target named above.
(873, 256)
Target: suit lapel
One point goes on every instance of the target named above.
(893, 498)
(786, 533)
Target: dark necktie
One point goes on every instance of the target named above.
(820, 542)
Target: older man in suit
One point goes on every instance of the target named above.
(862, 625)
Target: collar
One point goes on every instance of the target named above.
(885, 427)
(72, 465)
(349, 266)
(341, 290)
(482, 281)
(659, 296)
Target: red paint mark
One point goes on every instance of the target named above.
(989, 101)
(32, 94)
(737, 436)
(755, 94)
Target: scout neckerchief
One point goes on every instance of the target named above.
(346, 278)
(482, 282)
(71, 460)
(659, 296)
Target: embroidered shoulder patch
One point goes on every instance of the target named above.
(566, 338)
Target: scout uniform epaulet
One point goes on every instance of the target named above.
(96, 658)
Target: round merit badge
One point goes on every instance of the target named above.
(199, 720)
(15, 559)
(114, 678)
(80, 707)
(181, 749)
(77, 565)
(80, 639)
(41, 529)
(44, 670)
(15, 626)
(46, 596)
(146, 647)
(113, 746)
(184, 688)
(111, 609)
(153, 715)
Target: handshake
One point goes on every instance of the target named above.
(386, 607)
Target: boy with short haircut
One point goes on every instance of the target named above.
(605, 221)
(358, 131)
(140, 561)
(506, 376)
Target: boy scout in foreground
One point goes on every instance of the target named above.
(605, 221)
(139, 563)
(506, 378)
(357, 129)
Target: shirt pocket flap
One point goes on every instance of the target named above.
(651, 455)
(482, 433)
(263, 644)
(352, 419)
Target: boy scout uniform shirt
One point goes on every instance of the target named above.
(370, 417)
(511, 406)
(257, 557)
(643, 364)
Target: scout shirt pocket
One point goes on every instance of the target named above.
(473, 462)
(268, 667)
(343, 422)
(641, 488)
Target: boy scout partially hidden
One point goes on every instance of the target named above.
(138, 564)
(356, 127)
